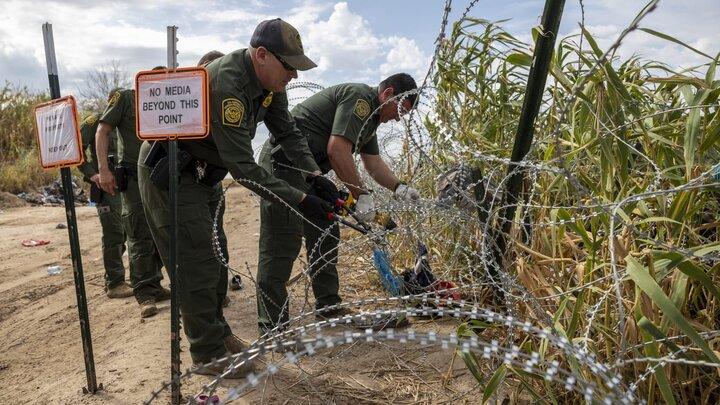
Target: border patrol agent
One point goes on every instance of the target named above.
(331, 120)
(157, 204)
(145, 262)
(246, 87)
(109, 209)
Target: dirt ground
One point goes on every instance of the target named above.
(41, 357)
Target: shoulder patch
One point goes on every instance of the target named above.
(114, 99)
(232, 112)
(90, 119)
(362, 108)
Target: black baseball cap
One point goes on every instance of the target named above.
(282, 39)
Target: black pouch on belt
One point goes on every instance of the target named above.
(121, 177)
(160, 174)
(111, 162)
(95, 193)
(157, 161)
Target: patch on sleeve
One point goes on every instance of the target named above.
(268, 100)
(114, 99)
(90, 120)
(232, 112)
(362, 108)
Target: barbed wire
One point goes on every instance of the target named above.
(457, 223)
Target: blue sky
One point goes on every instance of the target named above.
(351, 41)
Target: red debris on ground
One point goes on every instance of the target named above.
(34, 242)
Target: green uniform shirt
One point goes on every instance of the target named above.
(237, 105)
(88, 127)
(120, 114)
(339, 110)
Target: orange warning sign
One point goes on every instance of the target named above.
(172, 104)
(58, 133)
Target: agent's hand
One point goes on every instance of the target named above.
(365, 208)
(314, 207)
(324, 188)
(407, 193)
(96, 179)
(107, 181)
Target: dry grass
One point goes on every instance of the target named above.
(19, 165)
(630, 115)
(24, 173)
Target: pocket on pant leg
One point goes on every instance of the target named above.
(196, 260)
(140, 240)
(281, 236)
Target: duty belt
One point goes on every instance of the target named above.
(203, 172)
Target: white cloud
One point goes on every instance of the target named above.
(404, 56)
(89, 34)
(343, 41)
(346, 46)
(602, 31)
(233, 15)
(649, 47)
(306, 14)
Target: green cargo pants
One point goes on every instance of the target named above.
(281, 232)
(144, 260)
(109, 211)
(201, 280)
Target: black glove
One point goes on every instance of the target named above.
(315, 208)
(324, 188)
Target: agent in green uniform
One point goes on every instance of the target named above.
(109, 209)
(145, 262)
(246, 87)
(337, 121)
(159, 202)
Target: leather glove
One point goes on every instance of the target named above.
(407, 193)
(324, 188)
(313, 207)
(365, 208)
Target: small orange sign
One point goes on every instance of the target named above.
(58, 133)
(172, 104)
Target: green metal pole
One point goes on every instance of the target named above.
(176, 395)
(72, 228)
(537, 77)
